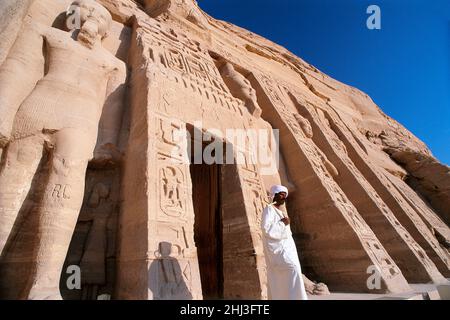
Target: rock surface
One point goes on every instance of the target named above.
(95, 125)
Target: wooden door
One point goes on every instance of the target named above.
(208, 227)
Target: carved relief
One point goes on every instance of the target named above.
(57, 100)
(171, 137)
(252, 184)
(272, 90)
(388, 268)
(240, 87)
(93, 245)
(182, 243)
(61, 97)
(197, 68)
(293, 124)
(422, 208)
(176, 61)
(185, 57)
(100, 192)
(371, 193)
(305, 125)
(416, 223)
(61, 191)
(172, 192)
(172, 277)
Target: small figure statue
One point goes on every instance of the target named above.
(187, 9)
(315, 289)
(170, 284)
(241, 88)
(305, 125)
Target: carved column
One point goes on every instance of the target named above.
(173, 83)
(388, 189)
(410, 257)
(335, 242)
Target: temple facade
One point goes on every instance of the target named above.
(109, 111)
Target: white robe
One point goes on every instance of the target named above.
(284, 274)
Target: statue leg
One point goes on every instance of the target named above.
(21, 161)
(59, 212)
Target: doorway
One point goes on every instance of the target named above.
(206, 196)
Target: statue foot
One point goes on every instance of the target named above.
(321, 289)
(44, 294)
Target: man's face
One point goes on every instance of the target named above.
(280, 198)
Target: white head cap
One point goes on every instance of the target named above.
(277, 189)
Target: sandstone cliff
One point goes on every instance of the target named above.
(92, 175)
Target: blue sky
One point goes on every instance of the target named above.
(404, 67)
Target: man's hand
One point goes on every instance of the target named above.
(286, 220)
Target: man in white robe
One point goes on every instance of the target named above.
(284, 274)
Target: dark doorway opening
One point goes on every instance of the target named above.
(206, 196)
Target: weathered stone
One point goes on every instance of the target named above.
(96, 129)
(12, 13)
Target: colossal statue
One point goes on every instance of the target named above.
(241, 88)
(54, 87)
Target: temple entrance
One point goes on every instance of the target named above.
(222, 231)
(206, 194)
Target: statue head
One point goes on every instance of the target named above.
(95, 21)
(187, 9)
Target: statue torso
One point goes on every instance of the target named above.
(72, 92)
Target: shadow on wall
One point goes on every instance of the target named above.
(166, 277)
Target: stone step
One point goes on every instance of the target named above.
(433, 295)
(412, 296)
(444, 291)
(420, 292)
(433, 291)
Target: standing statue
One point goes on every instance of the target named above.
(54, 87)
(166, 270)
(241, 88)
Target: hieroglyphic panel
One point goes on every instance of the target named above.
(182, 245)
(183, 61)
(176, 61)
(174, 261)
(377, 252)
(252, 184)
(277, 95)
(171, 138)
(272, 90)
(255, 202)
(183, 55)
(419, 223)
(172, 195)
(172, 169)
(196, 67)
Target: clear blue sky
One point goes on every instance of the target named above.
(404, 67)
